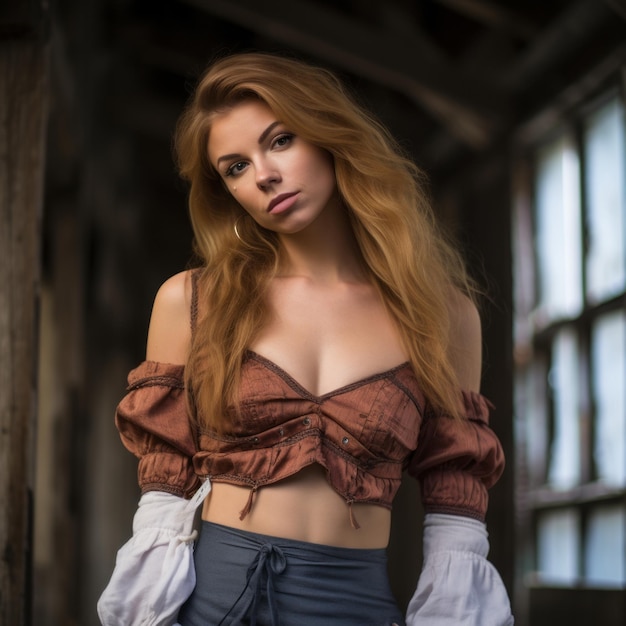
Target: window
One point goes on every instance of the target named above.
(569, 244)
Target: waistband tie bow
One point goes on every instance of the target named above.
(269, 562)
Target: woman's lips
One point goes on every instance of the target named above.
(282, 202)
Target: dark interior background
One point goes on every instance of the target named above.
(455, 80)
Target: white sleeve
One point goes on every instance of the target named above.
(458, 586)
(154, 571)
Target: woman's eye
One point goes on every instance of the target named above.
(283, 140)
(236, 168)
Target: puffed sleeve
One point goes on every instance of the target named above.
(457, 461)
(154, 425)
(458, 586)
(154, 570)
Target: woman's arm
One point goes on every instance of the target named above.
(169, 334)
(465, 342)
(154, 572)
(458, 586)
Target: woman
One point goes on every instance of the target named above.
(328, 341)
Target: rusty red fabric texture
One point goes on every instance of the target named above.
(364, 435)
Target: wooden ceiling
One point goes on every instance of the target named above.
(449, 77)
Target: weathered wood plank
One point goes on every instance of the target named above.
(22, 120)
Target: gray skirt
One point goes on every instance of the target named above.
(245, 578)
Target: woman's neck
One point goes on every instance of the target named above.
(326, 251)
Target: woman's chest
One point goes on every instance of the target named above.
(329, 337)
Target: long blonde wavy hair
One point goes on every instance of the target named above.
(414, 268)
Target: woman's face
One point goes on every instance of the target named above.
(282, 181)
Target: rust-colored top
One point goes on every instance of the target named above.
(363, 434)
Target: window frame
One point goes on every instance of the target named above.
(537, 600)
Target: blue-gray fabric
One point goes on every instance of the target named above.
(250, 579)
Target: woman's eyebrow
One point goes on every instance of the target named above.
(262, 137)
(267, 131)
(227, 157)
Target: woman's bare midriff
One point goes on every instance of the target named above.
(302, 507)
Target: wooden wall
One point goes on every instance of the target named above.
(23, 112)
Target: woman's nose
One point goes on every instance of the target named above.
(266, 176)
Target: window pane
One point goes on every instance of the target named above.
(532, 428)
(605, 170)
(559, 230)
(608, 353)
(605, 549)
(564, 469)
(558, 539)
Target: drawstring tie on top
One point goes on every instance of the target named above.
(246, 509)
(353, 521)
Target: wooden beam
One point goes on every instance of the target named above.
(533, 129)
(408, 64)
(568, 32)
(494, 15)
(23, 109)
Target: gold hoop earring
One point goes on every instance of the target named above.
(236, 228)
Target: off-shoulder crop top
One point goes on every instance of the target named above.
(364, 434)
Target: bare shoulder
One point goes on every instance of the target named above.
(465, 347)
(169, 336)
